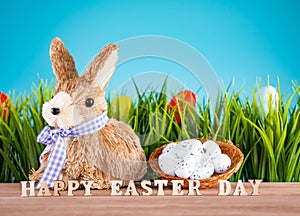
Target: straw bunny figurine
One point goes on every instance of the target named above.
(86, 144)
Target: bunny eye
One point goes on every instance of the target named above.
(89, 102)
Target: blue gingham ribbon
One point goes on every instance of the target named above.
(54, 140)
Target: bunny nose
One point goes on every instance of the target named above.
(55, 111)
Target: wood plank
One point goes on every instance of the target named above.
(275, 199)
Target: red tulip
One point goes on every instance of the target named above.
(180, 101)
(3, 104)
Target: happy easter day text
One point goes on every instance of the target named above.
(146, 185)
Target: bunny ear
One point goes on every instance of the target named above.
(62, 62)
(101, 69)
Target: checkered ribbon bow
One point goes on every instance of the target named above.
(54, 140)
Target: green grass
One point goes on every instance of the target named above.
(19, 150)
(270, 142)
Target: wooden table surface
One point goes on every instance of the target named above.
(275, 199)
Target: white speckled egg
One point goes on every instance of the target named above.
(168, 148)
(221, 163)
(167, 163)
(202, 171)
(211, 150)
(185, 167)
(185, 148)
(198, 152)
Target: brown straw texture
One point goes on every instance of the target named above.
(227, 148)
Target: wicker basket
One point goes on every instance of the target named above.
(227, 148)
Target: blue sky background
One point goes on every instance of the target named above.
(240, 39)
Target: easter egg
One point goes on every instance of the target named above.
(167, 163)
(179, 102)
(185, 167)
(168, 148)
(198, 151)
(180, 159)
(221, 163)
(202, 171)
(186, 148)
(211, 150)
(266, 93)
(3, 105)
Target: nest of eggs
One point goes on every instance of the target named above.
(233, 152)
